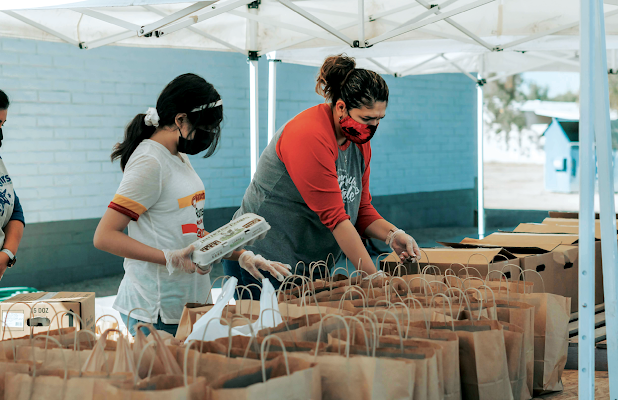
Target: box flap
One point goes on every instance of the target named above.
(25, 297)
(76, 297)
(546, 228)
(569, 214)
(515, 242)
(462, 255)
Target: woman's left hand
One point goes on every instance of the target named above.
(405, 246)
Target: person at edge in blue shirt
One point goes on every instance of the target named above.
(11, 213)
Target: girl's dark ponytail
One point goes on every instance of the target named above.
(134, 134)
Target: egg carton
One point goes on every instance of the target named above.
(233, 236)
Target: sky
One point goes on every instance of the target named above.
(558, 82)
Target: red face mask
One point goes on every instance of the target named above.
(355, 131)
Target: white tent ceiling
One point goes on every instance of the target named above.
(402, 36)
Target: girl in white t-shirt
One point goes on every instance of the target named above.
(161, 200)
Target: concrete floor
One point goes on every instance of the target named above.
(522, 187)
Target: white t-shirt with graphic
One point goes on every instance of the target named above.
(7, 199)
(165, 198)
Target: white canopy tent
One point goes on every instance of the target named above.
(398, 37)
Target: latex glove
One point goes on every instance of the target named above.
(405, 246)
(253, 263)
(181, 260)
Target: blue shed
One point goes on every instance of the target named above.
(562, 155)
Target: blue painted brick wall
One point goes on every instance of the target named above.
(70, 106)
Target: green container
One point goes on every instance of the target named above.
(7, 293)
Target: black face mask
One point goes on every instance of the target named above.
(202, 139)
(1, 137)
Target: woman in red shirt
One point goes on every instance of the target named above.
(312, 181)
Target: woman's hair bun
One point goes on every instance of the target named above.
(333, 73)
(357, 87)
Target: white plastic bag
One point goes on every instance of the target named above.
(216, 330)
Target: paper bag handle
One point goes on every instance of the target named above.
(353, 289)
(263, 356)
(353, 333)
(536, 272)
(11, 333)
(347, 329)
(450, 306)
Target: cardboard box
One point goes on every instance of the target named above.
(569, 215)
(553, 255)
(554, 228)
(484, 260)
(559, 271)
(565, 224)
(37, 310)
(523, 243)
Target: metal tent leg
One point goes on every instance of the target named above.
(609, 246)
(272, 98)
(586, 206)
(594, 120)
(480, 180)
(254, 111)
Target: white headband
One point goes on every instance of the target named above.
(152, 116)
(210, 105)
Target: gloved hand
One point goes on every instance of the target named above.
(181, 260)
(253, 263)
(404, 245)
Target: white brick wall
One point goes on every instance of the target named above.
(70, 106)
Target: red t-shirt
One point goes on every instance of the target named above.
(309, 150)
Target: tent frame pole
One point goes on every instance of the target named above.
(197, 31)
(272, 98)
(254, 114)
(460, 28)
(213, 12)
(310, 17)
(594, 62)
(400, 31)
(146, 29)
(41, 27)
(585, 348)
(480, 165)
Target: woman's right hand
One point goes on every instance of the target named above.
(252, 263)
(181, 260)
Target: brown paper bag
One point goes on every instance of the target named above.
(23, 387)
(15, 367)
(190, 314)
(164, 362)
(521, 315)
(482, 359)
(162, 387)
(551, 336)
(210, 365)
(361, 377)
(428, 376)
(57, 359)
(123, 357)
(447, 340)
(280, 378)
(515, 357)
